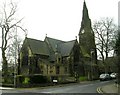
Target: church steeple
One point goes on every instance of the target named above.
(86, 34)
(85, 11)
(86, 22)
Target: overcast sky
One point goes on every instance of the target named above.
(61, 19)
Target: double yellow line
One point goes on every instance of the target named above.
(99, 90)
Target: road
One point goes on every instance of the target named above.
(73, 89)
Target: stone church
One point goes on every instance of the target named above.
(51, 58)
(87, 45)
(54, 59)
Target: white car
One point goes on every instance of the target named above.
(104, 77)
(113, 75)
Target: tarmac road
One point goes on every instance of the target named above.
(73, 89)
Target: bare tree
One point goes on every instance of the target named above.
(13, 50)
(105, 30)
(8, 23)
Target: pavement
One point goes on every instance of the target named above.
(111, 88)
(59, 85)
(5, 88)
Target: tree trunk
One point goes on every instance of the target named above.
(4, 67)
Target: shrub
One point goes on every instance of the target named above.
(26, 80)
(83, 78)
(38, 79)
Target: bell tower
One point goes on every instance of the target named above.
(86, 34)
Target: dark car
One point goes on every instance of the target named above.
(104, 77)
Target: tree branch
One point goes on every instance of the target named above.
(15, 24)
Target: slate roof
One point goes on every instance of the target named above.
(53, 43)
(62, 47)
(66, 48)
(50, 46)
(37, 46)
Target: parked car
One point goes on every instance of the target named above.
(104, 77)
(113, 75)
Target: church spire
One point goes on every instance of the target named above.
(85, 11)
(86, 22)
(86, 34)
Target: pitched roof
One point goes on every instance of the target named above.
(37, 46)
(50, 46)
(66, 48)
(53, 42)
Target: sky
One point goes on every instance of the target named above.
(60, 19)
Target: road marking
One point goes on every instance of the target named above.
(99, 90)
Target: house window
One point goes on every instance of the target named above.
(31, 60)
(76, 55)
(47, 69)
(59, 59)
(64, 60)
(51, 69)
(30, 65)
(66, 70)
(36, 63)
(57, 70)
(25, 61)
